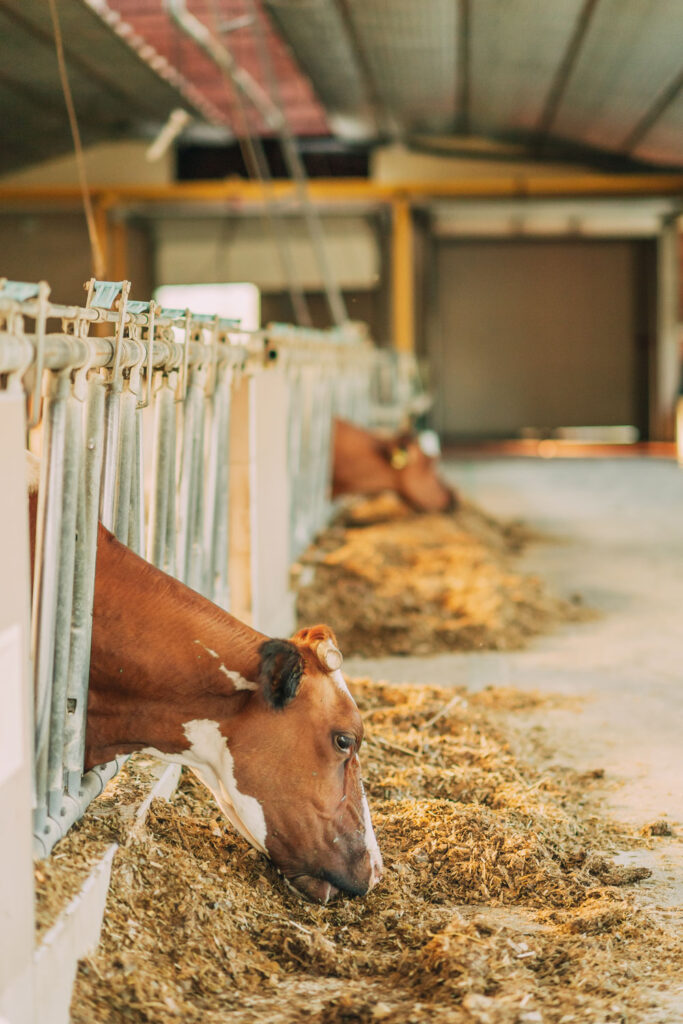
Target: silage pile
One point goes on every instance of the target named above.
(394, 582)
(500, 902)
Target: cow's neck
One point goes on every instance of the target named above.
(162, 656)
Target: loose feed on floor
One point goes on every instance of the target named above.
(396, 582)
(60, 876)
(501, 901)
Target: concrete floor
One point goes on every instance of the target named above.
(615, 531)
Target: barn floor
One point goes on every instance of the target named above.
(614, 535)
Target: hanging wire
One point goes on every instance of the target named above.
(256, 163)
(292, 157)
(262, 102)
(97, 256)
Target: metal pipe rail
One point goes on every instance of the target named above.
(168, 374)
(93, 392)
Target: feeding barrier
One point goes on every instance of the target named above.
(110, 383)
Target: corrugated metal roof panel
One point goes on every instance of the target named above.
(516, 50)
(411, 52)
(119, 84)
(631, 52)
(664, 141)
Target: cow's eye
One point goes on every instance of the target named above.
(344, 743)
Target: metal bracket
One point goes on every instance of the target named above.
(150, 308)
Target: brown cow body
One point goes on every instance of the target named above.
(268, 725)
(367, 463)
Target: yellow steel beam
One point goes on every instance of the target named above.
(402, 276)
(361, 189)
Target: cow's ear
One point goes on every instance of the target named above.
(280, 672)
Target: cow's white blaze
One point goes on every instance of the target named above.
(210, 759)
(338, 679)
(370, 838)
(371, 842)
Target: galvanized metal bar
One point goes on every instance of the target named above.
(215, 583)
(112, 428)
(46, 577)
(136, 529)
(72, 471)
(190, 476)
(162, 506)
(84, 584)
(126, 461)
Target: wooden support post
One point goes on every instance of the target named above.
(259, 561)
(403, 276)
(665, 378)
(102, 208)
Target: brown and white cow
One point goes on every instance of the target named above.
(367, 463)
(268, 725)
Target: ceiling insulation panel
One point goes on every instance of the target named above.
(318, 36)
(411, 52)
(516, 51)
(630, 55)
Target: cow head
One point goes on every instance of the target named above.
(415, 475)
(364, 462)
(294, 786)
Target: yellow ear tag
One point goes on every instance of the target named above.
(399, 458)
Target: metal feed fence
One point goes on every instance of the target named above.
(96, 399)
(325, 381)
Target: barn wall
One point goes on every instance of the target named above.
(539, 334)
(190, 250)
(369, 305)
(46, 246)
(16, 870)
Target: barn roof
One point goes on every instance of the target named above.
(561, 79)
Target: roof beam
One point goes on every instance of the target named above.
(463, 77)
(348, 190)
(564, 72)
(651, 116)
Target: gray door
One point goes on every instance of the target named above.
(535, 334)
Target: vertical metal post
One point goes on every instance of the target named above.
(73, 457)
(189, 499)
(215, 584)
(84, 583)
(112, 421)
(161, 529)
(126, 462)
(403, 276)
(46, 576)
(136, 528)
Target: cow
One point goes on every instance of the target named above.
(268, 725)
(367, 463)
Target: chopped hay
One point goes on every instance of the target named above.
(417, 584)
(59, 877)
(499, 902)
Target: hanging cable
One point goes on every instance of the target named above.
(256, 163)
(293, 159)
(97, 256)
(274, 118)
